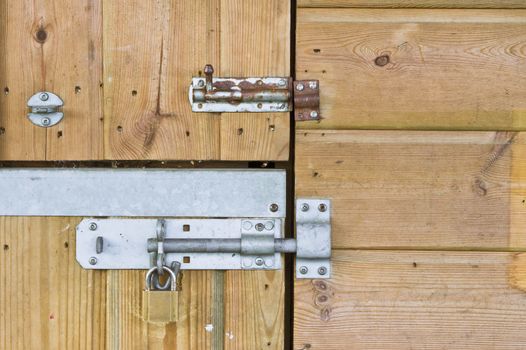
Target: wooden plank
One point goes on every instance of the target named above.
(418, 189)
(414, 3)
(47, 301)
(51, 45)
(414, 300)
(151, 51)
(254, 309)
(127, 330)
(415, 69)
(255, 41)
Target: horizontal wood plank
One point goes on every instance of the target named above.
(418, 189)
(415, 68)
(414, 300)
(415, 3)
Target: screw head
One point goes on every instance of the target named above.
(44, 96)
(92, 226)
(247, 225)
(304, 207)
(313, 85)
(201, 83)
(259, 261)
(304, 270)
(322, 207)
(93, 260)
(282, 106)
(273, 207)
(45, 121)
(314, 114)
(260, 227)
(269, 225)
(322, 270)
(282, 82)
(300, 87)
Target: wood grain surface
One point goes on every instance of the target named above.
(47, 301)
(414, 68)
(414, 300)
(418, 189)
(415, 3)
(51, 45)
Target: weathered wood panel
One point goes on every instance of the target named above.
(415, 3)
(414, 300)
(151, 51)
(418, 189)
(255, 41)
(254, 309)
(52, 45)
(47, 301)
(150, 59)
(415, 69)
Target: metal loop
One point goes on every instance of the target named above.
(176, 267)
(172, 278)
(160, 232)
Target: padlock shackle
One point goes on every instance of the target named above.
(148, 279)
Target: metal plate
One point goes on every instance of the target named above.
(277, 83)
(142, 192)
(313, 234)
(125, 243)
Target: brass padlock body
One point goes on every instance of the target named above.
(160, 306)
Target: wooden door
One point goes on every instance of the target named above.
(123, 69)
(422, 151)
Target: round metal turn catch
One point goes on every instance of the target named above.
(45, 109)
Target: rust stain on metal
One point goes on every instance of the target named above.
(307, 100)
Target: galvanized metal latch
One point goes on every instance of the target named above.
(45, 107)
(209, 244)
(255, 94)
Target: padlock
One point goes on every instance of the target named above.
(160, 305)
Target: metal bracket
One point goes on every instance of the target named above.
(255, 94)
(45, 107)
(313, 233)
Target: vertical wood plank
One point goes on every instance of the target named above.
(74, 72)
(21, 75)
(255, 41)
(51, 45)
(47, 301)
(254, 309)
(151, 51)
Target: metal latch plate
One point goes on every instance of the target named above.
(264, 94)
(123, 243)
(313, 234)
